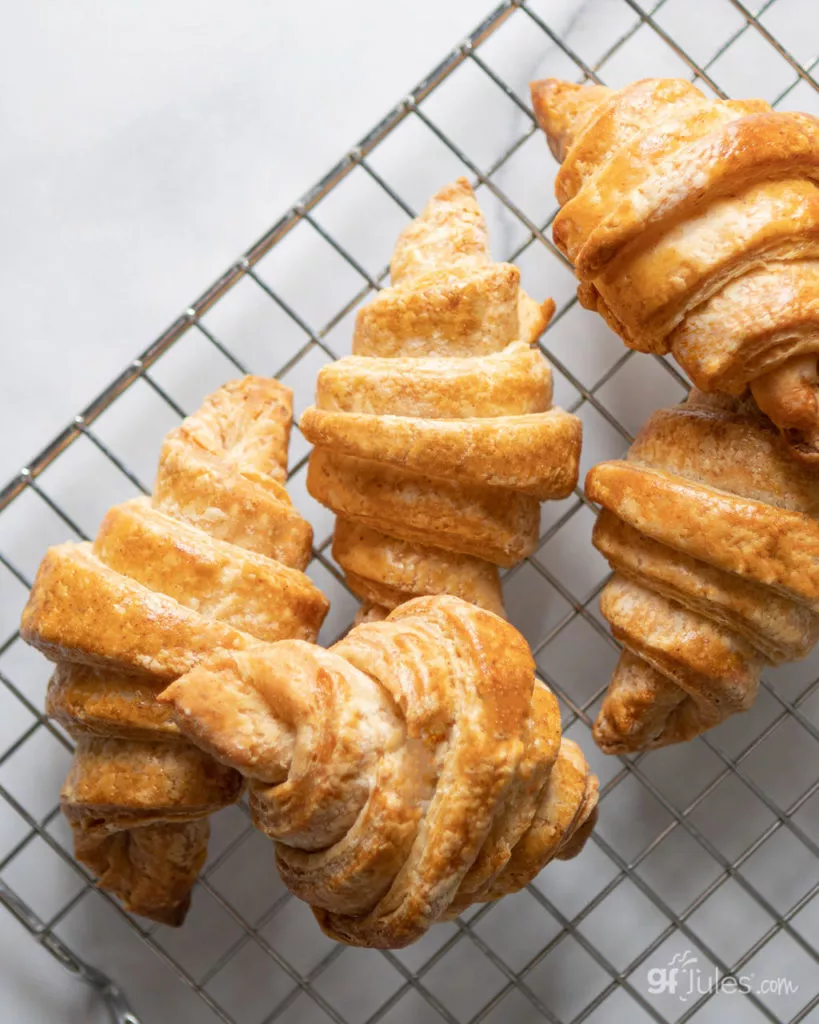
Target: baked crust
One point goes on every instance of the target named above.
(80, 610)
(383, 570)
(222, 471)
(711, 529)
(511, 452)
(413, 769)
(693, 225)
(755, 541)
(211, 562)
(151, 868)
(781, 629)
(438, 433)
(115, 784)
(500, 526)
(96, 702)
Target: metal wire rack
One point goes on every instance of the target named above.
(706, 851)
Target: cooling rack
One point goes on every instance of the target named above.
(697, 897)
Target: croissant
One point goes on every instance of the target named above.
(436, 440)
(414, 768)
(712, 531)
(693, 226)
(212, 561)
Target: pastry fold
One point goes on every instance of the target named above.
(711, 529)
(438, 434)
(212, 561)
(415, 768)
(693, 225)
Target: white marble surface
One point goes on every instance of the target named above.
(147, 145)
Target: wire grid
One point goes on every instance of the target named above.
(710, 848)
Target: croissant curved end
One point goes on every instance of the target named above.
(789, 395)
(562, 110)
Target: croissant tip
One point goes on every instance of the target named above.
(547, 94)
(167, 695)
(609, 739)
(562, 109)
(172, 916)
(460, 188)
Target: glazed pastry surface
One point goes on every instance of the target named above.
(414, 768)
(711, 528)
(211, 561)
(693, 226)
(436, 440)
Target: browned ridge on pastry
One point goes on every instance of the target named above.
(436, 440)
(211, 561)
(711, 528)
(693, 226)
(413, 769)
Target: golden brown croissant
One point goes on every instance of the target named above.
(212, 561)
(693, 226)
(712, 531)
(436, 440)
(411, 770)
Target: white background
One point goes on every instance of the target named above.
(146, 145)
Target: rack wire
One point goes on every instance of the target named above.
(706, 851)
